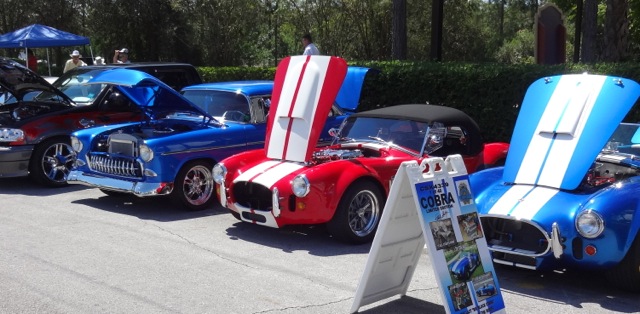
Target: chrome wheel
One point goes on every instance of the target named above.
(195, 187)
(358, 213)
(52, 162)
(364, 212)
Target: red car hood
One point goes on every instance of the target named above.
(305, 88)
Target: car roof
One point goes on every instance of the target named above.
(250, 87)
(428, 114)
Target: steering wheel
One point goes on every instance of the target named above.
(233, 115)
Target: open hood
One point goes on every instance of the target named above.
(305, 88)
(19, 81)
(146, 91)
(563, 124)
(349, 95)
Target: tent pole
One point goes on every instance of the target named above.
(48, 61)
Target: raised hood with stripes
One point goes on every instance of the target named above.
(563, 124)
(305, 88)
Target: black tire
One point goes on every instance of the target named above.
(626, 275)
(358, 214)
(194, 187)
(51, 162)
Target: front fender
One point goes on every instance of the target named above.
(495, 154)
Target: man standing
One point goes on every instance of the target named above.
(309, 47)
(121, 56)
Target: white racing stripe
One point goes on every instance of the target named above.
(256, 170)
(297, 108)
(523, 201)
(547, 159)
(275, 174)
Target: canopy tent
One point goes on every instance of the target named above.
(41, 36)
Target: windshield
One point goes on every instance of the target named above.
(626, 140)
(73, 84)
(404, 133)
(219, 104)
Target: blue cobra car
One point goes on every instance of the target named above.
(486, 290)
(173, 149)
(465, 265)
(569, 193)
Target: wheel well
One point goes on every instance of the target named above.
(207, 160)
(46, 139)
(371, 180)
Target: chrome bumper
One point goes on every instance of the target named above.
(141, 189)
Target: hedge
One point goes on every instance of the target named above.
(490, 93)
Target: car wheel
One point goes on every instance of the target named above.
(358, 214)
(194, 187)
(51, 162)
(626, 274)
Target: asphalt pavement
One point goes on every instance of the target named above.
(76, 250)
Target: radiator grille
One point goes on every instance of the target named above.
(115, 165)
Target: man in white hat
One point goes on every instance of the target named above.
(121, 56)
(99, 61)
(74, 62)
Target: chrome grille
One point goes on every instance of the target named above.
(515, 241)
(115, 165)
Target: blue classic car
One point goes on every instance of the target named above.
(172, 150)
(486, 290)
(569, 193)
(465, 265)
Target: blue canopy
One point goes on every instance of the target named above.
(40, 36)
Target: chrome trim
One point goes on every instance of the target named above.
(140, 189)
(223, 193)
(120, 166)
(275, 203)
(197, 150)
(556, 240)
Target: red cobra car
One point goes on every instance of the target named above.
(291, 181)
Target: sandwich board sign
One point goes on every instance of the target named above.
(433, 207)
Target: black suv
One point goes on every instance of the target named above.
(36, 118)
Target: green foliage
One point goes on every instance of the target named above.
(491, 93)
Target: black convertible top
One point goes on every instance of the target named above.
(429, 114)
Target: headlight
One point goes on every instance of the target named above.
(76, 144)
(219, 172)
(589, 224)
(146, 153)
(300, 185)
(11, 135)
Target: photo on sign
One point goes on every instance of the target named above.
(443, 234)
(463, 262)
(470, 226)
(460, 296)
(484, 286)
(464, 193)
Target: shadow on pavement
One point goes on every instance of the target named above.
(24, 186)
(158, 208)
(314, 239)
(573, 288)
(405, 305)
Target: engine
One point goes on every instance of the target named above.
(336, 154)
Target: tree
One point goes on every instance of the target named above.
(616, 31)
